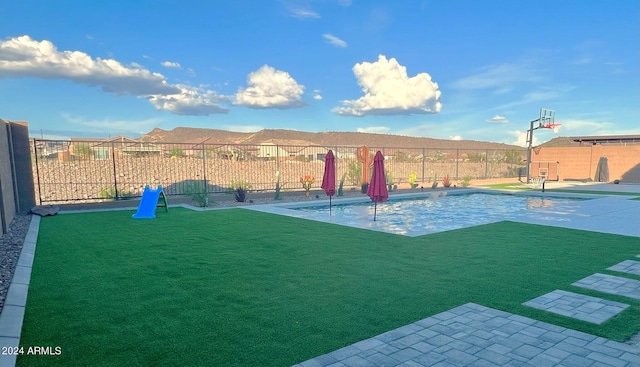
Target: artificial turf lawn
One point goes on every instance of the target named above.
(243, 288)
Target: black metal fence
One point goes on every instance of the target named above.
(67, 171)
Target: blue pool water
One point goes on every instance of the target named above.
(440, 212)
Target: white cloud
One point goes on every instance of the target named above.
(190, 101)
(373, 129)
(244, 128)
(316, 94)
(334, 40)
(114, 126)
(25, 57)
(455, 137)
(172, 65)
(302, 13)
(521, 138)
(497, 119)
(498, 76)
(270, 88)
(389, 91)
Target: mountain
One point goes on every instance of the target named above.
(328, 139)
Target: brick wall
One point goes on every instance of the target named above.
(581, 162)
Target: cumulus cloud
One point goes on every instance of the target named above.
(270, 88)
(190, 101)
(331, 39)
(373, 129)
(172, 65)
(316, 94)
(388, 90)
(497, 119)
(521, 138)
(25, 57)
(455, 137)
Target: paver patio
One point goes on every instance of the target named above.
(611, 284)
(627, 266)
(578, 306)
(474, 335)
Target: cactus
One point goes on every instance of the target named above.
(366, 159)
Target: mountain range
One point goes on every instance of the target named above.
(303, 138)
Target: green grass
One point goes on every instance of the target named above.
(243, 288)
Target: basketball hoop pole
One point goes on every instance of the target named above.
(546, 117)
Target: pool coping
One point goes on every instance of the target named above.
(588, 216)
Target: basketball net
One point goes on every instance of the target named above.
(554, 127)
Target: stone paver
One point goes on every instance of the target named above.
(611, 284)
(577, 306)
(627, 266)
(474, 335)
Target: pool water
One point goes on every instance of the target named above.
(440, 212)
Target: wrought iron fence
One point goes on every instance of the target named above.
(67, 171)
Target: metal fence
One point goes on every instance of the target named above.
(68, 171)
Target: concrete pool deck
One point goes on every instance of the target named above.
(614, 214)
(469, 334)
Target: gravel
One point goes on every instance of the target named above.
(10, 247)
(11, 242)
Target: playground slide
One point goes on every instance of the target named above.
(148, 203)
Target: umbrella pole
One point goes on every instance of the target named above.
(375, 209)
(329, 205)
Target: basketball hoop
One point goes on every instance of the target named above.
(554, 127)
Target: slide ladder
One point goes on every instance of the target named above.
(150, 201)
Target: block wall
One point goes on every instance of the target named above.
(581, 162)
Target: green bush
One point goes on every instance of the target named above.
(240, 184)
(110, 193)
(354, 172)
(466, 180)
(176, 152)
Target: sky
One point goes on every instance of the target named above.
(447, 69)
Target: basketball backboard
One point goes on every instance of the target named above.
(547, 117)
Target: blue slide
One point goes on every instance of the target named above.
(148, 203)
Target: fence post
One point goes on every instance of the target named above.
(115, 176)
(424, 156)
(204, 169)
(35, 154)
(457, 161)
(486, 163)
(277, 158)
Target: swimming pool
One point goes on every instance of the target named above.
(437, 212)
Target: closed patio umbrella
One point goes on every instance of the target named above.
(329, 177)
(377, 190)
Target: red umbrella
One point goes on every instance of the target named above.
(378, 187)
(329, 178)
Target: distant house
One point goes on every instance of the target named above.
(104, 148)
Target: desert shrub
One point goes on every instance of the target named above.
(197, 191)
(110, 193)
(466, 180)
(354, 172)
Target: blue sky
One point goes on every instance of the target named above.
(456, 69)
